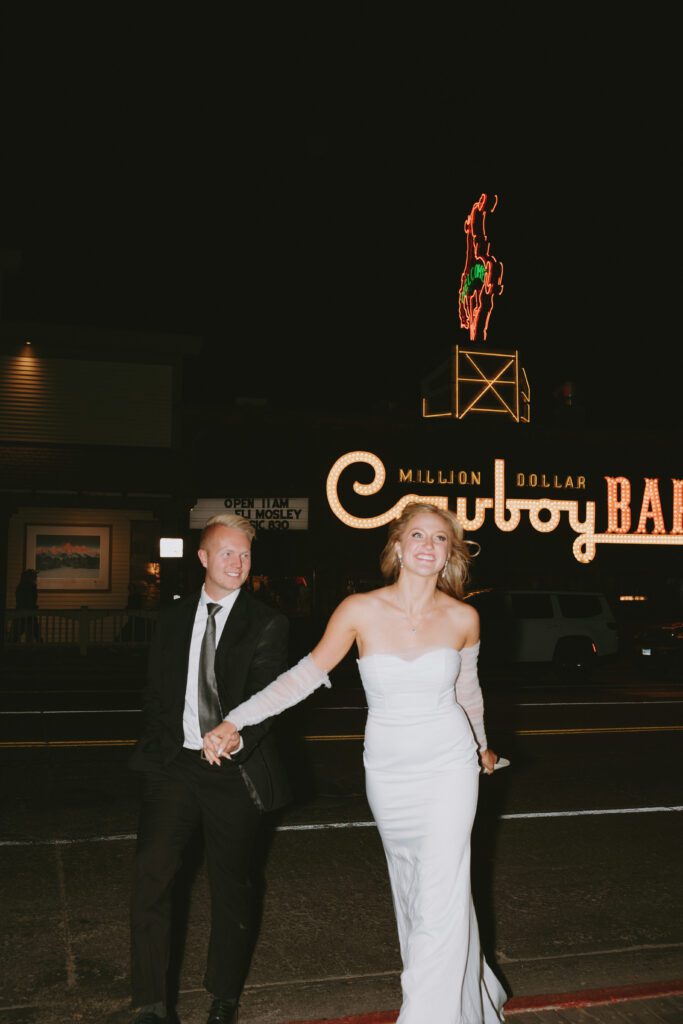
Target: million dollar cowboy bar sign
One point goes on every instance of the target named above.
(643, 511)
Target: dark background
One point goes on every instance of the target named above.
(314, 238)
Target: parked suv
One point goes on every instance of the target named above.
(568, 629)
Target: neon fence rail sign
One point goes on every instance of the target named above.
(544, 513)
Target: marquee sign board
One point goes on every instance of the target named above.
(264, 513)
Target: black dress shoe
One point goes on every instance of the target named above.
(222, 1012)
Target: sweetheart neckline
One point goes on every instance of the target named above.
(422, 654)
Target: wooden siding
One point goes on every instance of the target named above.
(80, 401)
(118, 519)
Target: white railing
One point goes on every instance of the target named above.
(79, 627)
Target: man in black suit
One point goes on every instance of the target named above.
(226, 639)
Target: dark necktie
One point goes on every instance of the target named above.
(209, 705)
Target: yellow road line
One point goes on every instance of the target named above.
(353, 737)
(340, 738)
(534, 732)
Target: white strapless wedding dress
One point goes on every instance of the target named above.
(422, 779)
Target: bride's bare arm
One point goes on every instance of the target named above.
(340, 634)
(291, 686)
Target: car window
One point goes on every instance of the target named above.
(579, 606)
(531, 606)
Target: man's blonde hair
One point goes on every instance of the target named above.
(229, 519)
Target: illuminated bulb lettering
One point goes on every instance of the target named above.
(651, 508)
(618, 504)
(480, 506)
(504, 523)
(365, 489)
(677, 514)
(544, 513)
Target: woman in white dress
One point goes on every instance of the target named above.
(425, 747)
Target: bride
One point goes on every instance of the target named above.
(425, 746)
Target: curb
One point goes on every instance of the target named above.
(595, 996)
(526, 1004)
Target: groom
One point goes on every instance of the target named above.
(210, 652)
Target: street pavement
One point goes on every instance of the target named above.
(580, 916)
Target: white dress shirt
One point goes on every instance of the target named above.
(192, 734)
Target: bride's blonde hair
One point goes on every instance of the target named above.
(456, 572)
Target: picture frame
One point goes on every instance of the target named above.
(69, 558)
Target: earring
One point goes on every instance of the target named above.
(443, 571)
(400, 560)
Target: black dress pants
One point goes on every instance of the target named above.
(179, 797)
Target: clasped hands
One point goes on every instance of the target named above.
(220, 742)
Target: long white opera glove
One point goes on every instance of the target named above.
(468, 693)
(288, 689)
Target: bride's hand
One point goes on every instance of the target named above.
(488, 759)
(220, 742)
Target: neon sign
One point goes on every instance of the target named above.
(544, 513)
(482, 277)
(474, 381)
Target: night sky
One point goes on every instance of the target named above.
(321, 263)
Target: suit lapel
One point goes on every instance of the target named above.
(183, 639)
(231, 667)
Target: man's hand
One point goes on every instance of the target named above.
(220, 742)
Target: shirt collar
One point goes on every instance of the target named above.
(226, 603)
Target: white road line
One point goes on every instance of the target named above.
(502, 959)
(294, 982)
(596, 813)
(100, 711)
(324, 826)
(595, 704)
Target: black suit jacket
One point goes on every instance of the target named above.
(251, 652)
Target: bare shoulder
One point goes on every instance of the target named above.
(380, 596)
(465, 617)
(362, 606)
(352, 607)
(469, 614)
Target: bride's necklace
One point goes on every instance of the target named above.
(415, 620)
